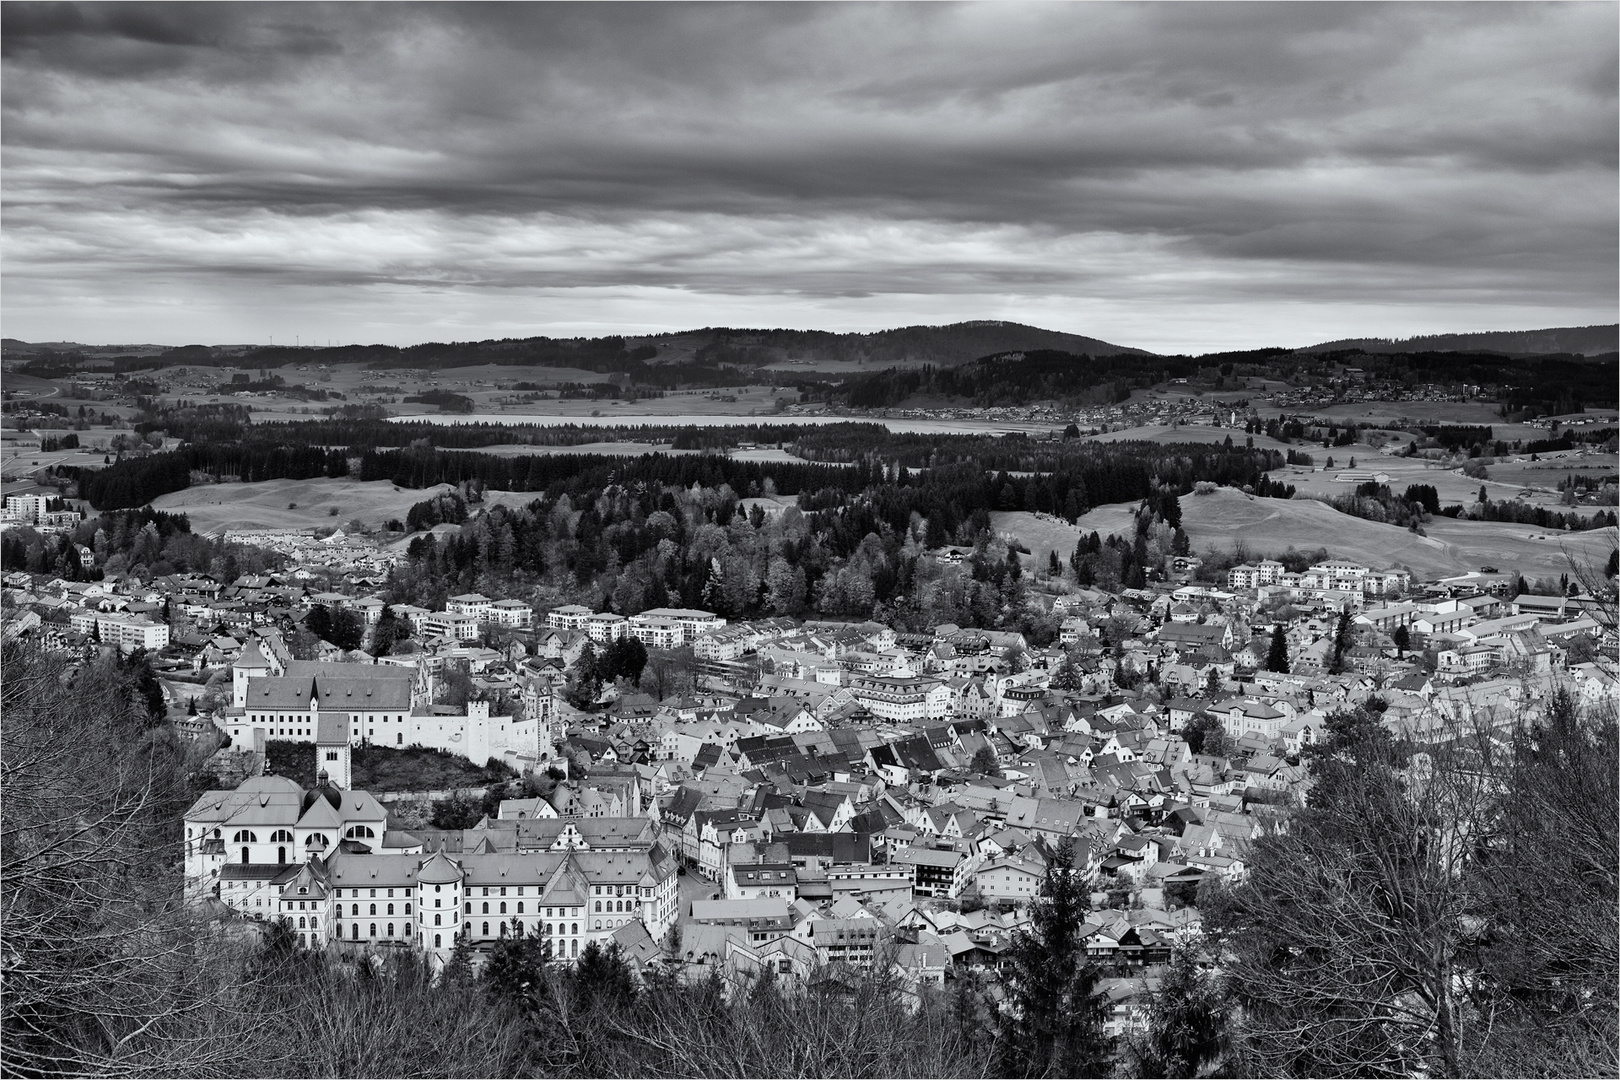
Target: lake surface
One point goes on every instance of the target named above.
(899, 426)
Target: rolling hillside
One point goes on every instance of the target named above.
(1579, 340)
(1270, 526)
(956, 343)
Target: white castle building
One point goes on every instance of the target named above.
(340, 706)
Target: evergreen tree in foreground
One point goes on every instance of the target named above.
(1053, 1023)
(1277, 658)
(1187, 1030)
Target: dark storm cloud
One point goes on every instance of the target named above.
(1166, 156)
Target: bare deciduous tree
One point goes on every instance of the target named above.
(105, 969)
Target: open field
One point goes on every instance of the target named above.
(1422, 412)
(1043, 534)
(1271, 526)
(1553, 469)
(31, 386)
(1507, 479)
(264, 505)
(1189, 433)
(1418, 413)
(636, 449)
(19, 459)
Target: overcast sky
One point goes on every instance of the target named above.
(1172, 177)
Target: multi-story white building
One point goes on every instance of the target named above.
(727, 643)
(477, 605)
(238, 843)
(455, 626)
(513, 613)
(902, 698)
(605, 626)
(568, 617)
(693, 621)
(656, 632)
(132, 631)
(320, 862)
(27, 508)
(1385, 582)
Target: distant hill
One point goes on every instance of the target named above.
(1574, 340)
(956, 343)
(15, 347)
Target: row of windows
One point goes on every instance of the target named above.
(354, 909)
(354, 931)
(283, 836)
(571, 949)
(293, 718)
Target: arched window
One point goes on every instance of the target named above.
(503, 907)
(316, 842)
(360, 832)
(390, 929)
(438, 942)
(599, 905)
(486, 929)
(486, 907)
(314, 922)
(399, 738)
(390, 909)
(373, 909)
(354, 932)
(354, 909)
(548, 928)
(373, 929)
(301, 923)
(575, 949)
(281, 855)
(575, 930)
(520, 907)
(281, 836)
(243, 836)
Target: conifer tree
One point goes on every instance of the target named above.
(1277, 658)
(1055, 1024)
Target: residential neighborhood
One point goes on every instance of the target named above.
(806, 792)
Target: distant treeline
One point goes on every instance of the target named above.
(1069, 477)
(1017, 378)
(136, 481)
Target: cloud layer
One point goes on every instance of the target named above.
(1177, 177)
